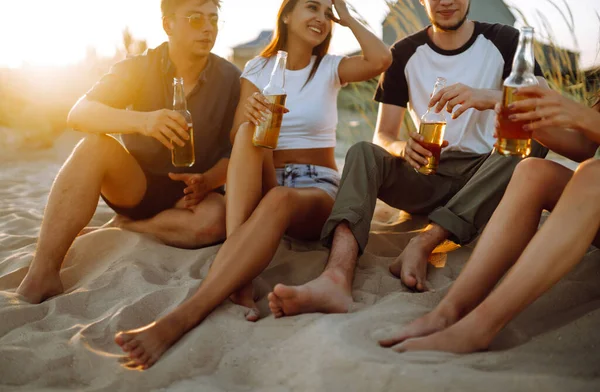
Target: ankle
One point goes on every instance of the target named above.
(432, 236)
(43, 271)
(339, 277)
(448, 312)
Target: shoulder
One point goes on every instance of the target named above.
(333, 58)
(255, 65)
(224, 67)
(496, 32)
(411, 42)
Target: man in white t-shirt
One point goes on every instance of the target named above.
(460, 198)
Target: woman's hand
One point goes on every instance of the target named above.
(546, 108)
(344, 14)
(258, 108)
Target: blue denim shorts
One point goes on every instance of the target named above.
(309, 176)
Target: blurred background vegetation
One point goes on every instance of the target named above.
(34, 102)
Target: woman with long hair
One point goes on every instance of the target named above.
(272, 193)
(473, 312)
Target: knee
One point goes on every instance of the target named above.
(587, 178)
(212, 226)
(97, 146)
(277, 201)
(533, 170)
(244, 134)
(360, 150)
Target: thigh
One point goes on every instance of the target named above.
(213, 203)
(310, 209)
(541, 177)
(124, 183)
(268, 172)
(413, 192)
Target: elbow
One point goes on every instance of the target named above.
(75, 114)
(385, 61)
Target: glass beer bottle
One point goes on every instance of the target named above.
(512, 138)
(267, 133)
(432, 128)
(182, 156)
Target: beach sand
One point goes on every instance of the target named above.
(117, 280)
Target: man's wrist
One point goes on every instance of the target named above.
(491, 98)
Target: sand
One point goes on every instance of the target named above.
(118, 280)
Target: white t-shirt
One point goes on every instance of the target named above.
(482, 63)
(312, 119)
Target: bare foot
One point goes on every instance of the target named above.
(459, 338)
(434, 321)
(411, 265)
(37, 286)
(329, 293)
(144, 346)
(245, 297)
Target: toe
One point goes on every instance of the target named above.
(151, 361)
(121, 338)
(409, 280)
(137, 353)
(400, 348)
(390, 342)
(253, 315)
(143, 360)
(130, 346)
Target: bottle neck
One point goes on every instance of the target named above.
(440, 83)
(524, 61)
(277, 80)
(179, 101)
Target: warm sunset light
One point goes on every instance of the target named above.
(38, 32)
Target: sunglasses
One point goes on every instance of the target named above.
(199, 21)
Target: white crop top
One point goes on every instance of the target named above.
(312, 119)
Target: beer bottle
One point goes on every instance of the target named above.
(182, 156)
(512, 138)
(432, 128)
(267, 133)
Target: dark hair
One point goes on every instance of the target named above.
(279, 41)
(168, 6)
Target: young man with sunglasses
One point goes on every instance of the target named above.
(183, 208)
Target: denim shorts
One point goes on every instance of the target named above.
(309, 176)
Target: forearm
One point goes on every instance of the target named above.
(374, 50)
(590, 125)
(216, 176)
(391, 145)
(94, 117)
(568, 143)
(490, 99)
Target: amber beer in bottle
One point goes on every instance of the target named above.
(432, 128)
(182, 156)
(267, 133)
(512, 138)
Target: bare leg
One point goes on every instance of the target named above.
(98, 163)
(194, 228)
(250, 176)
(411, 265)
(552, 252)
(329, 293)
(245, 254)
(536, 185)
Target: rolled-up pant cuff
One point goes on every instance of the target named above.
(357, 224)
(461, 231)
